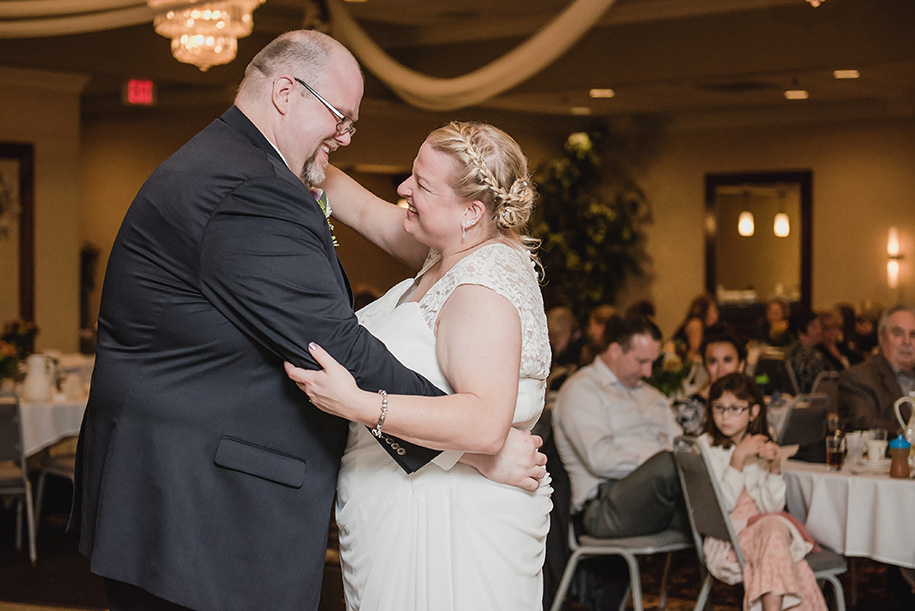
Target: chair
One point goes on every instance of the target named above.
(60, 462)
(708, 518)
(805, 425)
(773, 372)
(629, 548)
(14, 480)
(827, 382)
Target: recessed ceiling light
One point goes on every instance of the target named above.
(846, 73)
(796, 94)
(602, 93)
(580, 110)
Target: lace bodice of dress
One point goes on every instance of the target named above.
(510, 272)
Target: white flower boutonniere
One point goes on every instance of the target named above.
(321, 197)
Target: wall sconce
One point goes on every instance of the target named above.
(745, 224)
(892, 251)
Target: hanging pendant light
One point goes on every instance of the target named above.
(746, 226)
(204, 34)
(781, 227)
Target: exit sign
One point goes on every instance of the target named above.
(139, 92)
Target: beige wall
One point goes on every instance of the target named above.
(42, 108)
(863, 183)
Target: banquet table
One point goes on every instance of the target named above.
(47, 422)
(858, 511)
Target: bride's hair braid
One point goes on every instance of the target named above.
(490, 167)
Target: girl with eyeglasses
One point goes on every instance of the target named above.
(747, 465)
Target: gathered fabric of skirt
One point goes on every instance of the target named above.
(448, 540)
(773, 551)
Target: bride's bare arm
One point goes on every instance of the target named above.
(378, 221)
(479, 351)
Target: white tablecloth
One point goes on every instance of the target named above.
(46, 423)
(867, 514)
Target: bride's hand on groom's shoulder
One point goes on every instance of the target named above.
(331, 389)
(519, 463)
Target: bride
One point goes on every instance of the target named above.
(472, 322)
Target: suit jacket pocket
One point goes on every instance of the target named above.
(260, 462)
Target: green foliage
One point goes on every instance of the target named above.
(590, 220)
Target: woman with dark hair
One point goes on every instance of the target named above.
(723, 352)
(747, 465)
(774, 329)
(702, 313)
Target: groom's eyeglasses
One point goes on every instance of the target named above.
(345, 125)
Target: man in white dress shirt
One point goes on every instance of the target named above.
(615, 434)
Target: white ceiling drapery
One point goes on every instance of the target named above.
(516, 66)
(39, 18)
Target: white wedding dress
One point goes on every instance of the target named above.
(445, 540)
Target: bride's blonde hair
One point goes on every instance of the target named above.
(492, 168)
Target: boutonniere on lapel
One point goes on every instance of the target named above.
(321, 197)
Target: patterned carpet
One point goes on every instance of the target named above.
(62, 578)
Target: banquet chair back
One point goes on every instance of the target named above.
(773, 374)
(14, 480)
(827, 383)
(708, 517)
(805, 425)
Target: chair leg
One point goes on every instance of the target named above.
(662, 598)
(703, 599)
(837, 590)
(566, 580)
(30, 522)
(39, 496)
(635, 581)
(19, 502)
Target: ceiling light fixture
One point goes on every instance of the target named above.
(846, 74)
(580, 111)
(796, 94)
(204, 34)
(815, 3)
(602, 93)
(781, 226)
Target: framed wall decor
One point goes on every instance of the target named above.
(17, 231)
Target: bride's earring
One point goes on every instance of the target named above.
(464, 227)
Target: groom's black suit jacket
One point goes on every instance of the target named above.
(204, 475)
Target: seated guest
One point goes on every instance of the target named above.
(723, 352)
(642, 308)
(850, 343)
(867, 391)
(702, 313)
(615, 434)
(774, 329)
(866, 322)
(565, 345)
(802, 355)
(831, 345)
(597, 320)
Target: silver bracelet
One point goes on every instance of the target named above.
(384, 412)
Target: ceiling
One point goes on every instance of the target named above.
(696, 61)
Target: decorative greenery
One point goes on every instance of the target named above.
(20, 335)
(590, 220)
(9, 360)
(671, 371)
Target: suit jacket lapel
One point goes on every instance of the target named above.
(237, 120)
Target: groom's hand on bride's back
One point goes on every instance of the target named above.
(519, 463)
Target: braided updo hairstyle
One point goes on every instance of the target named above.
(492, 168)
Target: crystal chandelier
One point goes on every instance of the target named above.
(204, 33)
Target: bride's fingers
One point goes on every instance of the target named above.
(325, 360)
(301, 376)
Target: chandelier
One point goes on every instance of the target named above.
(204, 33)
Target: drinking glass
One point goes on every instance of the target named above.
(832, 422)
(835, 453)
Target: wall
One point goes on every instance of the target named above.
(42, 108)
(863, 183)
